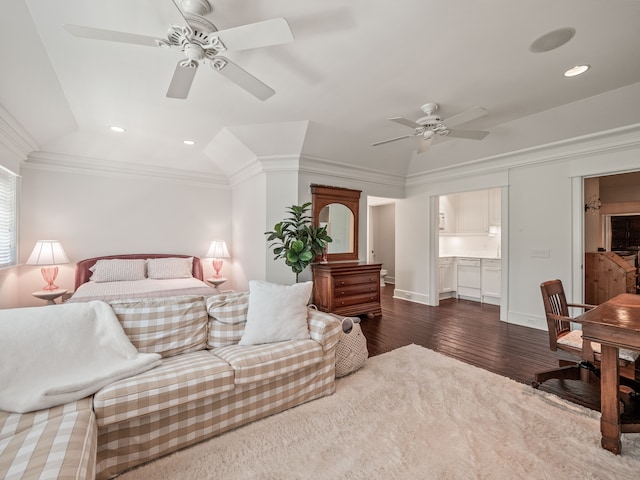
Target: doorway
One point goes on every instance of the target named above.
(381, 239)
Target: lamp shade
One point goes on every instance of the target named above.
(47, 252)
(218, 249)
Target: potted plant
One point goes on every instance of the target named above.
(297, 239)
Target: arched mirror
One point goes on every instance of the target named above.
(337, 208)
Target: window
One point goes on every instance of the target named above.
(8, 214)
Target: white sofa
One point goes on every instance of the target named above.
(206, 384)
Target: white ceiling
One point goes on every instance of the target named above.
(352, 65)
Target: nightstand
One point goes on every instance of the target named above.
(49, 295)
(216, 282)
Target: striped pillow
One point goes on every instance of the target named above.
(117, 270)
(167, 326)
(165, 268)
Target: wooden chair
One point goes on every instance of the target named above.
(562, 337)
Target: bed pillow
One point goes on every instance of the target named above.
(173, 267)
(276, 313)
(118, 270)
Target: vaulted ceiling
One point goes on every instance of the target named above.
(351, 66)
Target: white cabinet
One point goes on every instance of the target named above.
(491, 280)
(447, 277)
(469, 281)
(473, 213)
(469, 213)
(448, 214)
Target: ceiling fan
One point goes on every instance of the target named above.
(200, 41)
(432, 125)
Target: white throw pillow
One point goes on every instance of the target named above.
(172, 267)
(276, 312)
(118, 270)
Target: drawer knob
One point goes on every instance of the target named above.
(341, 293)
(342, 282)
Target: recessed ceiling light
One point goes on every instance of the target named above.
(552, 40)
(189, 142)
(577, 70)
(115, 128)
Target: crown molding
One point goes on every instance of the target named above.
(14, 136)
(322, 166)
(315, 166)
(75, 163)
(600, 143)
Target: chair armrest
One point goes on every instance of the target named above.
(324, 328)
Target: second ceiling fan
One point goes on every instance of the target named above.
(432, 125)
(200, 41)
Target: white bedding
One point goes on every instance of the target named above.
(141, 289)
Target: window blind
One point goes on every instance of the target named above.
(8, 218)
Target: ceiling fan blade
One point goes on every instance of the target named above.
(470, 134)
(466, 116)
(181, 81)
(254, 35)
(406, 122)
(112, 36)
(242, 78)
(425, 144)
(391, 140)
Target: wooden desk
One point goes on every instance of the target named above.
(615, 324)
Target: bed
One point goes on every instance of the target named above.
(116, 277)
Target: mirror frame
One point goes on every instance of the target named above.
(323, 195)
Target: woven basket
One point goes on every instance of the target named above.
(351, 352)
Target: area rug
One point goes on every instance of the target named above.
(412, 414)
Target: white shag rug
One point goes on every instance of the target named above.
(412, 414)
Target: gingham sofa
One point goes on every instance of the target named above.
(207, 384)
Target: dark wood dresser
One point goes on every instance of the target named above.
(347, 288)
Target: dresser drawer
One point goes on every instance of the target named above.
(348, 290)
(346, 280)
(355, 299)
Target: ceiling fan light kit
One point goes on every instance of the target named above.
(200, 41)
(432, 125)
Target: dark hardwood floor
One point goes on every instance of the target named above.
(473, 333)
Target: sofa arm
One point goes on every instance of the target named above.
(325, 328)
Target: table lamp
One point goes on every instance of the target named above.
(49, 253)
(217, 251)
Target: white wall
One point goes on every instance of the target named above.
(248, 247)
(106, 214)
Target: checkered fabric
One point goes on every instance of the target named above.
(255, 363)
(324, 328)
(227, 318)
(178, 380)
(167, 326)
(127, 444)
(56, 443)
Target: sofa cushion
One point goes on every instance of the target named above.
(58, 442)
(227, 318)
(167, 326)
(180, 379)
(254, 363)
